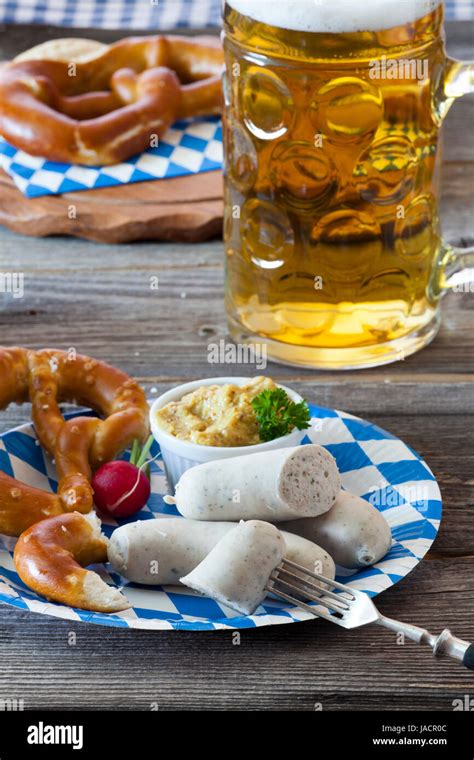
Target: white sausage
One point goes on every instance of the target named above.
(237, 569)
(354, 532)
(273, 485)
(161, 551)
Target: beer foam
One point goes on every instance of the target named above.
(334, 16)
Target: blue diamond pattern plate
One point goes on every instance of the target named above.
(373, 463)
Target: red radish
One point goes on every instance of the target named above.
(122, 488)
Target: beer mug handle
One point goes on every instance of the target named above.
(457, 264)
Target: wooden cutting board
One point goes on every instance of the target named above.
(188, 209)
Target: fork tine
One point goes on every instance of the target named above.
(312, 586)
(311, 597)
(317, 576)
(312, 610)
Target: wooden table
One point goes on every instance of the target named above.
(98, 299)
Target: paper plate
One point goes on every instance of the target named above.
(374, 465)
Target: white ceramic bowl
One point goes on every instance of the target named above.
(179, 456)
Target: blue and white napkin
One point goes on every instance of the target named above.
(190, 146)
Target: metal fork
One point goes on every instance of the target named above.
(352, 609)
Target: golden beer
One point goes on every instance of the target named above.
(332, 170)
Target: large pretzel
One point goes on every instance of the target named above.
(78, 445)
(106, 108)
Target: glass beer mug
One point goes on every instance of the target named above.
(333, 111)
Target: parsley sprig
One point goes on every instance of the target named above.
(278, 415)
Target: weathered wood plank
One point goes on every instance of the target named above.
(166, 332)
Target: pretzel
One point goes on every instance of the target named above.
(22, 505)
(79, 445)
(105, 108)
(50, 555)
